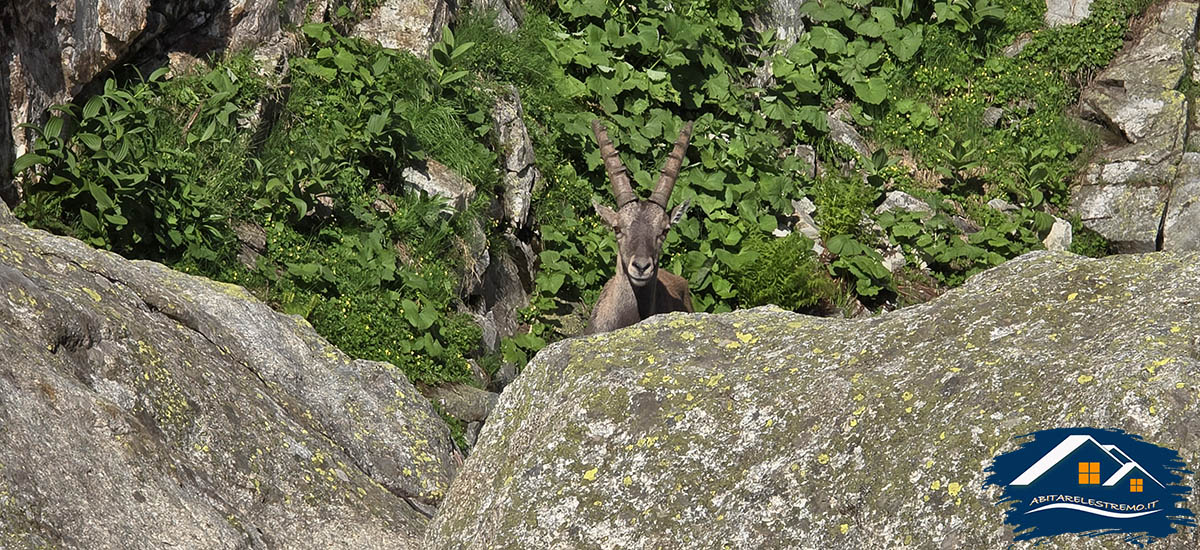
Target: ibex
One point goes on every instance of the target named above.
(639, 289)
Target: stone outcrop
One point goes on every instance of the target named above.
(768, 429)
(784, 18)
(437, 180)
(516, 155)
(51, 51)
(1124, 192)
(1127, 215)
(142, 408)
(1181, 225)
(508, 14)
(410, 25)
(1067, 12)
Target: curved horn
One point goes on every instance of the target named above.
(670, 171)
(622, 191)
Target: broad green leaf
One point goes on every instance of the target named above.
(906, 229)
(157, 74)
(453, 77)
(101, 196)
(827, 39)
(461, 50)
(872, 91)
(93, 106)
(25, 161)
(90, 221)
(345, 61)
(208, 130)
(376, 121)
(91, 140)
(53, 127)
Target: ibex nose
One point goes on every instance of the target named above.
(641, 267)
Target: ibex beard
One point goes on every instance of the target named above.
(639, 288)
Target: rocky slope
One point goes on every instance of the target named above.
(768, 429)
(1140, 190)
(141, 407)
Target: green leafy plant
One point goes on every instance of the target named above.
(446, 55)
(786, 273)
(861, 264)
(130, 170)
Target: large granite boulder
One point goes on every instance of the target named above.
(144, 408)
(769, 429)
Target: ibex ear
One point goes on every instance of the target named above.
(678, 212)
(610, 217)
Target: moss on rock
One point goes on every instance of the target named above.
(767, 429)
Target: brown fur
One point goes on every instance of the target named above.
(621, 305)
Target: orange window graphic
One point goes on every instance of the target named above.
(1135, 485)
(1089, 473)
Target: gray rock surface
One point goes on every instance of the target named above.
(476, 259)
(1002, 205)
(1137, 98)
(516, 155)
(803, 210)
(6, 216)
(842, 131)
(462, 401)
(768, 429)
(506, 286)
(509, 14)
(1127, 215)
(808, 156)
(1136, 93)
(410, 25)
(144, 408)
(1059, 238)
(783, 17)
(437, 179)
(1018, 45)
(1181, 226)
(1067, 12)
(899, 200)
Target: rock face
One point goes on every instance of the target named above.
(843, 132)
(1181, 226)
(435, 179)
(783, 17)
(1137, 98)
(508, 14)
(141, 407)
(1067, 12)
(411, 25)
(899, 200)
(51, 50)
(1127, 215)
(516, 153)
(768, 429)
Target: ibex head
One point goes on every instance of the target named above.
(641, 226)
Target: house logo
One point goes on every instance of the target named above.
(1091, 482)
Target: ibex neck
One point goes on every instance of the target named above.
(645, 296)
